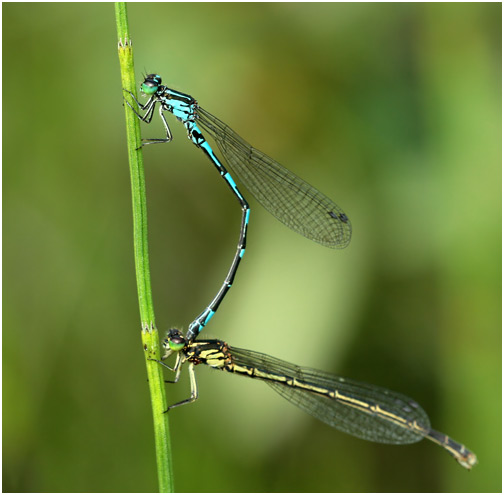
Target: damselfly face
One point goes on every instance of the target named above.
(174, 340)
(151, 84)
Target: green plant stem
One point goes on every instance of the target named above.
(150, 337)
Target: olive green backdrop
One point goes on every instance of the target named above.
(393, 110)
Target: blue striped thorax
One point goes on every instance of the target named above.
(181, 105)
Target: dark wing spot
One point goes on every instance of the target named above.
(340, 216)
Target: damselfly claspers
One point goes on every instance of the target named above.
(287, 197)
(365, 411)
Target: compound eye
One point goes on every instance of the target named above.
(175, 346)
(149, 87)
(174, 340)
(151, 84)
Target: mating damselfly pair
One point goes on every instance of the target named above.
(365, 411)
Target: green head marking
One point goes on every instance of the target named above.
(151, 84)
(176, 346)
(174, 340)
(148, 90)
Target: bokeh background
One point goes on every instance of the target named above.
(393, 110)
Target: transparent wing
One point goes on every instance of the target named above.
(362, 410)
(289, 198)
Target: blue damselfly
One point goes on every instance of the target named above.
(287, 197)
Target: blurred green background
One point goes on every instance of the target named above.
(393, 110)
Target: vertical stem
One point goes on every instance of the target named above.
(150, 337)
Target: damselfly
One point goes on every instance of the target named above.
(287, 197)
(365, 411)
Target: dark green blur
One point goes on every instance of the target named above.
(392, 110)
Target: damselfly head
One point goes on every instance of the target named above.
(151, 84)
(174, 341)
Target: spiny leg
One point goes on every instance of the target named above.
(194, 389)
